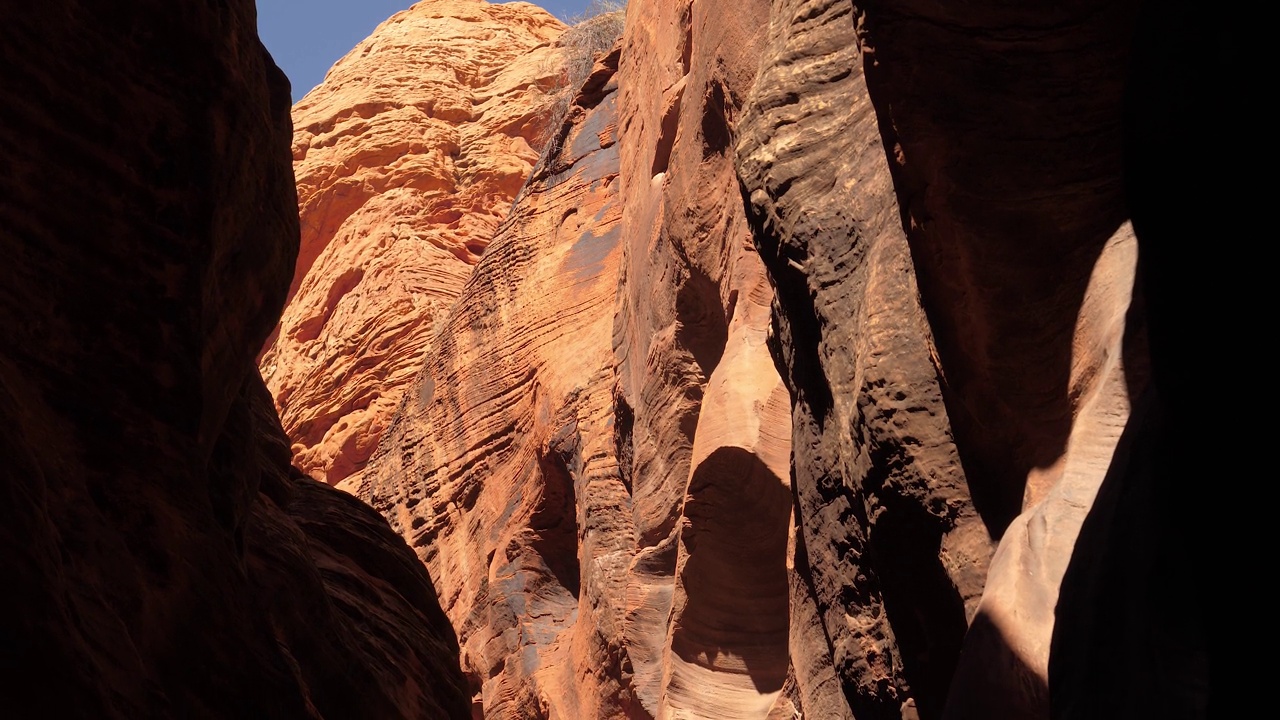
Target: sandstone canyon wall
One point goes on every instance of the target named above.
(161, 558)
(787, 385)
(501, 466)
(987, 225)
(407, 157)
(583, 518)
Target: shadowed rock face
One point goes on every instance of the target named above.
(1132, 638)
(407, 157)
(891, 554)
(936, 192)
(161, 557)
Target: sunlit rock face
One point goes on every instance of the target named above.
(407, 158)
(500, 467)
(706, 629)
(594, 461)
(787, 385)
(161, 558)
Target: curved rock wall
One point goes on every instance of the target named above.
(787, 387)
(891, 554)
(1131, 638)
(707, 633)
(584, 519)
(937, 197)
(161, 558)
(407, 158)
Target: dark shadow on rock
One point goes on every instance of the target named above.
(1138, 626)
(1008, 186)
(922, 603)
(735, 577)
(1002, 686)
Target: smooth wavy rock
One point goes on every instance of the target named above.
(707, 625)
(936, 192)
(407, 158)
(788, 385)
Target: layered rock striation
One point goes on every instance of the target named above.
(160, 555)
(707, 628)
(604, 547)
(787, 386)
(407, 158)
(501, 466)
(830, 361)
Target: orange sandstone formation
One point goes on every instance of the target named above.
(707, 623)
(407, 157)
(501, 468)
(787, 386)
(795, 379)
(594, 462)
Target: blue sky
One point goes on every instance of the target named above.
(306, 37)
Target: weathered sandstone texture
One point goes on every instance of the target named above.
(708, 438)
(594, 462)
(787, 386)
(160, 557)
(407, 158)
(890, 552)
(937, 196)
(501, 466)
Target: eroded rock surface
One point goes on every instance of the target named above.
(407, 158)
(890, 552)
(500, 467)
(788, 385)
(594, 463)
(938, 201)
(707, 623)
(161, 558)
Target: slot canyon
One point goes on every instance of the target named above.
(765, 359)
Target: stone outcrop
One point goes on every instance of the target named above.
(890, 551)
(501, 466)
(583, 517)
(788, 384)
(707, 626)
(812, 370)
(953, 279)
(160, 556)
(407, 157)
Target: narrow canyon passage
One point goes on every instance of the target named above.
(766, 359)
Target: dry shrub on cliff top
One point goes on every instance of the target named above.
(593, 31)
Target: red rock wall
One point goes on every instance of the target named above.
(786, 389)
(890, 552)
(407, 157)
(500, 467)
(707, 630)
(938, 201)
(160, 557)
(583, 517)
